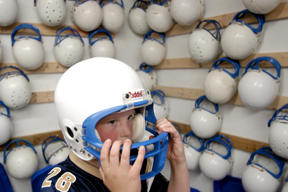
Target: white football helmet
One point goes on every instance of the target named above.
(186, 12)
(21, 160)
(15, 88)
(220, 84)
(137, 17)
(68, 47)
(101, 46)
(216, 161)
(205, 121)
(51, 12)
(239, 39)
(204, 43)
(160, 105)
(28, 50)
(80, 107)
(260, 6)
(263, 171)
(147, 75)
(153, 50)
(257, 87)
(87, 14)
(113, 15)
(158, 16)
(278, 132)
(6, 124)
(193, 147)
(54, 150)
(8, 12)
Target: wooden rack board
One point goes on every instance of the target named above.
(51, 67)
(193, 94)
(36, 139)
(188, 63)
(44, 30)
(42, 97)
(183, 93)
(240, 143)
(176, 63)
(281, 12)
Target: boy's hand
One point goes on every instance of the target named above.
(117, 173)
(176, 147)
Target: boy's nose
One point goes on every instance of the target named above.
(126, 131)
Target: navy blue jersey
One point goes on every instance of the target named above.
(66, 176)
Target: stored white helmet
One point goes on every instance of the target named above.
(263, 171)
(260, 6)
(68, 46)
(87, 15)
(113, 15)
(28, 50)
(6, 124)
(220, 84)
(101, 46)
(15, 89)
(278, 132)
(186, 12)
(193, 147)
(205, 120)
(147, 75)
(216, 161)
(257, 87)
(51, 12)
(54, 150)
(158, 16)
(204, 43)
(160, 105)
(239, 39)
(8, 12)
(21, 160)
(80, 107)
(137, 17)
(153, 50)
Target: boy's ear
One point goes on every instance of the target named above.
(138, 127)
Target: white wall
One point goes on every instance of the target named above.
(38, 118)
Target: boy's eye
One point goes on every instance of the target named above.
(131, 116)
(111, 122)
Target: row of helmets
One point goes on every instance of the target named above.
(257, 87)
(238, 40)
(88, 15)
(264, 169)
(213, 156)
(28, 50)
(21, 160)
(160, 15)
(206, 121)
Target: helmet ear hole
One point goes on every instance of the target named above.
(70, 132)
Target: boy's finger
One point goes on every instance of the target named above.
(125, 156)
(104, 154)
(115, 153)
(136, 168)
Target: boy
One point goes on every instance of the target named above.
(103, 100)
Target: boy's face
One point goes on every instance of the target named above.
(117, 126)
